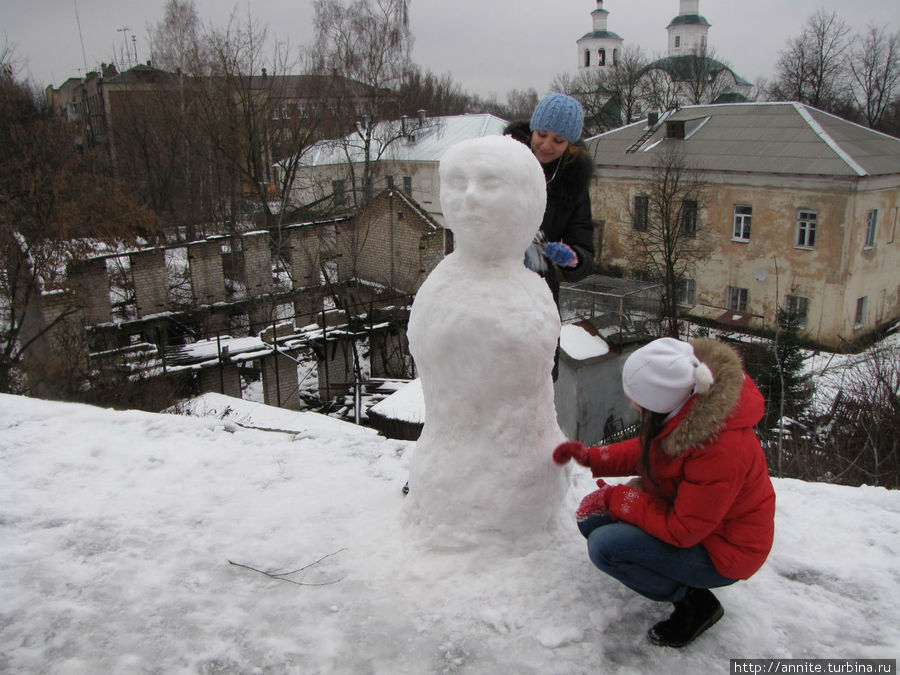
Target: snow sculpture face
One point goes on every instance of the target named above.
(493, 195)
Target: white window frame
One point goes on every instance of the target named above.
(871, 229)
(737, 299)
(688, 215)
(799, 305)
(805, 230)
(741, 223)
(641, 218)
(859, 320)
(687, 292)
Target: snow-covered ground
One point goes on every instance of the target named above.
(117, 530)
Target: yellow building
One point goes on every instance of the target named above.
(799, 209)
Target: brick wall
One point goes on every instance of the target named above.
(207, 277)
(151, 282)
(90, 283)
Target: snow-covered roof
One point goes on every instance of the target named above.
(423, 142)
(766, 138)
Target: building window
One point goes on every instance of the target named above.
(688, 217)
(643, 274)
(806, 229)
(587, 58)
(860, 319)
(615, 57)
(601, 57)
(389, 180)
(737, 299)
(677, 41)
(407, 185)
(871, 221)
(640, 217)
(687, 292)
(742, 217)
(798, 308)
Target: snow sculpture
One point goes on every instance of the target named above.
(483, 330)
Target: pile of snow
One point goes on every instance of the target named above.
(580, 344)
(118, 527)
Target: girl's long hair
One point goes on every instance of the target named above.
(652, 424)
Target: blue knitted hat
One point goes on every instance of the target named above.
(559, 114)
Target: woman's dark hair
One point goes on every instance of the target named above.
(652, 424)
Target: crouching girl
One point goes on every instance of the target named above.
(700, 513)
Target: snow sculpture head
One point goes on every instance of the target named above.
(493, 194)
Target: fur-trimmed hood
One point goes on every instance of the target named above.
(733, 401)
(572, 179)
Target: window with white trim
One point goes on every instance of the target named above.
(797, 306)
(860, 319)
(688, 215)
(641, 214)
(736, 301)
(687, 292)
(806, 229)
(741, 228)
(601, 57)
(871, 223)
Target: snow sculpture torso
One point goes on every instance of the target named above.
(483, 331)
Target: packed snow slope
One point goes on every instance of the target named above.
(118, 530)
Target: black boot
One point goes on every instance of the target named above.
(693, 614)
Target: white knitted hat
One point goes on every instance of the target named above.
(662, 375)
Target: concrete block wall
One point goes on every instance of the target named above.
(280, 381)
(304, 256)
(90, 282)
(392, 244)
(224, 379)
(207, 276)
(257, 263)
(151, 281)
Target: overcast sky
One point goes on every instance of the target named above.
(488, 46)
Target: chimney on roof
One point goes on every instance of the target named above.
(652, 118)
(264, 73)
(422, 117)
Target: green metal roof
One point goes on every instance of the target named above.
(681, 68)
(600, 34)
(689, 20)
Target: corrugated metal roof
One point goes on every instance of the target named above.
(424, 143)
(779, 138)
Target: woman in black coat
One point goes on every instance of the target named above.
(566, 249)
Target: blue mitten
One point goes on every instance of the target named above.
(561, 254)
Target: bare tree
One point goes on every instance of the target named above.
(666, 229)
(875, 66)
(812, 67)
(175, 42)
(705, 78)
(56, 202)
(367, 42)
(439, 95)
(521, 103)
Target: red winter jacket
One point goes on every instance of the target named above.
(711, 480)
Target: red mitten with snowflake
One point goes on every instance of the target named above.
(596, 503)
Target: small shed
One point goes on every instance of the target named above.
(590, 402)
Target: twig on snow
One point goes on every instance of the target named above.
(283, 576)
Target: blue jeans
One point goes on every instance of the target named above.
(647, 565)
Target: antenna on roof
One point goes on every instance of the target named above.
(80, 37)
